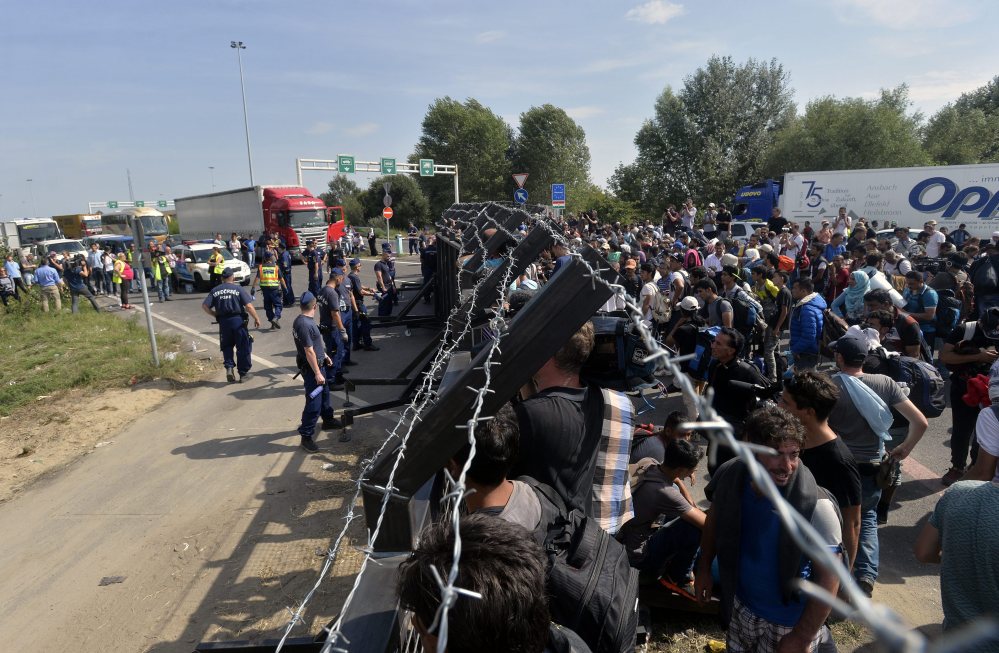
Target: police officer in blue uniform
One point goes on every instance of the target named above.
(346, 311)
(229, 304)
(271, 284)
(333, 329)
(284, 263)
(313, 362)
(313, 259)
(360, 332)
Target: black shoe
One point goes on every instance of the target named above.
(309, 444)
(867, 587)
(243, 375)
(331, 424)
(276, 323)
(371, 348)
(230, 375)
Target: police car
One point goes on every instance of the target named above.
(192, 265)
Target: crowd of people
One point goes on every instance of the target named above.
(788, 333)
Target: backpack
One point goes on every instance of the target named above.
(617, 361)
(661, 309)
(831, 331)
(769, 304)
(948, 315)
(697, 367)
(126, 273)
(926, 385)
(747, 313)
(592, 588)
(984, 275)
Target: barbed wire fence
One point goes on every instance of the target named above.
(888, 628)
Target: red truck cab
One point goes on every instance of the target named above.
(297, 216)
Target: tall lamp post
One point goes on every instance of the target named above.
(31, 193)
(237, 46)
(212, 168)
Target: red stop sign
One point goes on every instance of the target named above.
(387, 213)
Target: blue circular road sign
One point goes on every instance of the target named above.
(520, 196)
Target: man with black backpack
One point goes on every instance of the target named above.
(970, 350)
(758, 562)
(747, 313)
(574, 545)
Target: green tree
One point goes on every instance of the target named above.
(850, 134)
(966, 131)
(710, 137)
(472, 137)
(408, 202)
(551, 148)
(343, 192)
(610, 208)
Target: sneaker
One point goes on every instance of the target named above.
(331, 424)
(230, 376)
(309, 444)
(686, 590)
(867, 587)
(953, 475)
(273, 326)
(276, 323)
(243, 375)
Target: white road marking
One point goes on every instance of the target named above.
(257, 359)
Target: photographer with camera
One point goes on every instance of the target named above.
(77, 273)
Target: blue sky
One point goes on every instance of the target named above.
(95, 88)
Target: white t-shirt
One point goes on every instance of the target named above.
(933, 244)
(794, 245)
(687, 217)
(987, 432)
(648, 290)
(842, 225)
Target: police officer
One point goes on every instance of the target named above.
(284, 263)
(360, 333)
(346, 308)
(385, 281)
(332, 327)
(216, 266)
(313, 259)
(272, 286)
(314, 363)
(229, 304)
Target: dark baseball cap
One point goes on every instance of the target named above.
(853, 346)
(354, 262)
(228, 273)
(306, 299)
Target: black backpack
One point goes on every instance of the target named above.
(948, 315)
(926, 385)
(984, 275)
(746, 311)
(592, 588)
(697, 367)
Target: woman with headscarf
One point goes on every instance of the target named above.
(850, 303)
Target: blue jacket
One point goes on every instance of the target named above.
(806, 325)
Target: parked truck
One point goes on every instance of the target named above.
(906, 197)
(20, 234)
(79, 225)
(290, 211)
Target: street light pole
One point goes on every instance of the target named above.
(238, 45)
(212, 168)
(31, 193)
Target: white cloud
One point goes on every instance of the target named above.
(363, 129)
(655, 12)
(319, 128)
(938, 87)
(608, 65)
(907, 14)
(490, 36)
(581, 113)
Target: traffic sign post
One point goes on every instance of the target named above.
(139, 204)
(161, 204)
(387, 213)
(388, 166)
(345, 163)
(112, 204)
(520, 196)
(558, 196)
(426, 167)
(520, 178)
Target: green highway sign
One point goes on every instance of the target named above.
(345, 163)
(161, 204)
(426, 167)
(388, 166)
(112, 204)
(139, 204)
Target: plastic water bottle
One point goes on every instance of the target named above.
(315, 393)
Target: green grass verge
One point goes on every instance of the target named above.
(45, 354)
